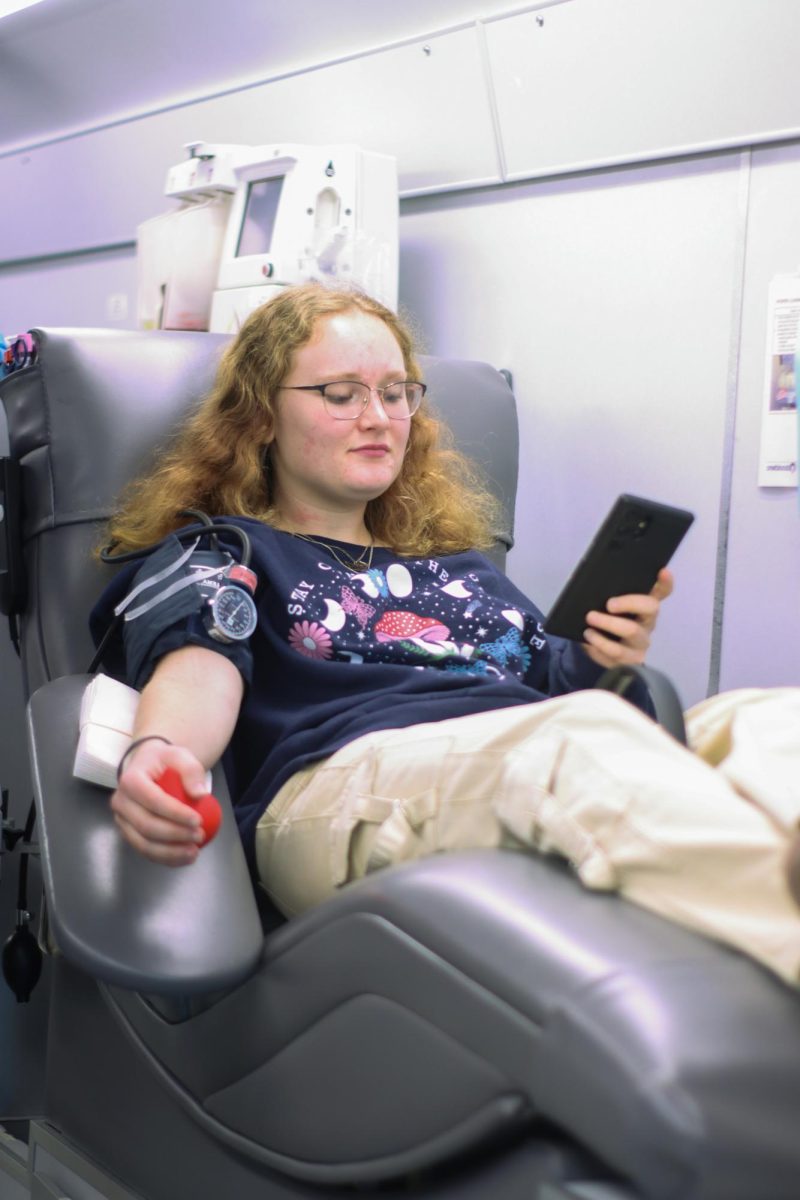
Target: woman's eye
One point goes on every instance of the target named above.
(339, 395)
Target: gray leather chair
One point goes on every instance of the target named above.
(474, 1024)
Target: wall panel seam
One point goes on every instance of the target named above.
(491, 94)
(729, 432)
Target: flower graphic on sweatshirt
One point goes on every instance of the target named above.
(310, 639)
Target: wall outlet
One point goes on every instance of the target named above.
(117, 306)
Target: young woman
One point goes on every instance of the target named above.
(398, 696)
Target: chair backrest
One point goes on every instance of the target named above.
(86, 417)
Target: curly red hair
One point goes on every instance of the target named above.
(218, 462)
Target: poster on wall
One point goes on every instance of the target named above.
(779, 428)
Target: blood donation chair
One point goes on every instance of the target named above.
(472, 1025)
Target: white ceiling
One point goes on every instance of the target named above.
(67, 65)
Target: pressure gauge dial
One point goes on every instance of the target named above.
(231, 615)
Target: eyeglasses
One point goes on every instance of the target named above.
(346, 399)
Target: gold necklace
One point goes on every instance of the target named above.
(362, 563)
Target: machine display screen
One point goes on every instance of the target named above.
(260, 210)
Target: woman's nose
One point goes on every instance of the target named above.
(373, 412)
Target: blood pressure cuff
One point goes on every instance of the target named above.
(161, 612)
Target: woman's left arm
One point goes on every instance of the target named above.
(631, 619)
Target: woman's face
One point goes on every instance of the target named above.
(322, 465)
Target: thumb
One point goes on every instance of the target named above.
(185, 776)
(663, 585)
(196, 781)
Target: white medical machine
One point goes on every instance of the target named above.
(254, 219)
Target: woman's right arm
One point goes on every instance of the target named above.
(192, 700)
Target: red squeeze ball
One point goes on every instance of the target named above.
(207, 807)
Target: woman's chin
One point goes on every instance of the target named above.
(371, 484)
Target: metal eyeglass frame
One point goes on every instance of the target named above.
(367, 396)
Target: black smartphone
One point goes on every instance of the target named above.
(637, 539)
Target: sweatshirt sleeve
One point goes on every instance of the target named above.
(133, 648)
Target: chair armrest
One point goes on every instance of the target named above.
(666, 702)
(113, 913)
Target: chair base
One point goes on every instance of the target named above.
(140, 1140)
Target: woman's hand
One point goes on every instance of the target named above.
(158, 826)
(631, 619)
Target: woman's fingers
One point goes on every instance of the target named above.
(622, 634)
(644, 608)
(158, 825)
(172, 854)
(621, 639)
(607, 652)
(167, 821)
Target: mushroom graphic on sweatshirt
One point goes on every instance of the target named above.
(409, 627)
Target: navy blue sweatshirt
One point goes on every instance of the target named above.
(339, 653)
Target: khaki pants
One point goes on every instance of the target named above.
(701, 838)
